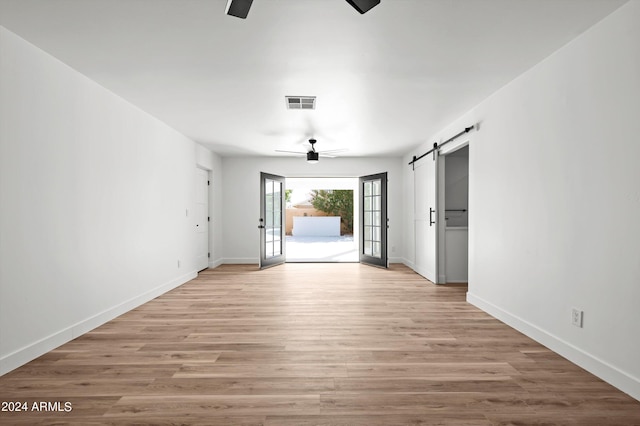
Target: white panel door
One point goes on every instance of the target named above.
(425, 212)
(202, 219)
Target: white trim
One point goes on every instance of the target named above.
(253, 261)
(408, 263)
(412, 265)
(204, 167)
(607, 372)
(423, 272)
(452, 147)
(32, 351)
(241, 261)
(215, 263)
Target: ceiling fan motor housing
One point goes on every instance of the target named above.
(312, 156)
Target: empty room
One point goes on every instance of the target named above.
(319, 212)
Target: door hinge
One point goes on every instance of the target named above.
(209, 255)
(208, 183)
(208, 219)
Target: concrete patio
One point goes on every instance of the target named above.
(321, 249)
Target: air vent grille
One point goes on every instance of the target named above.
(301, 102)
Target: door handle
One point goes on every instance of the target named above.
(261, 226)
(431, 212)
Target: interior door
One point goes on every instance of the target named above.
(202, 218)
(373, 220)
(271, 222)
(425, 217)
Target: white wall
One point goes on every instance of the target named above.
(241, 196)
(554, 200)
(93, 197)
(316, 226)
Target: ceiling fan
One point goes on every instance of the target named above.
(312, 154)
(240, 8)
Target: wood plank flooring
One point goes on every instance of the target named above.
(311, 344)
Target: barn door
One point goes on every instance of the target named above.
(425, 217)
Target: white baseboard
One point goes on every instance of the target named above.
(408, 263)
(255, 261)
(241, 260)
(607, 372)
(417, 270)
(34, 350)
(215, 263)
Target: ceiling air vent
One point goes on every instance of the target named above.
(301, 102)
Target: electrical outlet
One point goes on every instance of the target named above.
(576, 317)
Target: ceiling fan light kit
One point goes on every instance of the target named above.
(312, 157)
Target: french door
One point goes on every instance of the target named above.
(425, 217)
(271, 224)
(373, 220)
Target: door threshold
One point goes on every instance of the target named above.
(321, 261)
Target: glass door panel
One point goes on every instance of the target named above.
(373, 213)
(271, 224)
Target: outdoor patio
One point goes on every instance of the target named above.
(321, 249)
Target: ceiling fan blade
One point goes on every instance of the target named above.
(291, 152)
(363, 6)
(323, 155)
(333, 151)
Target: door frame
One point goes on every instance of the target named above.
(356, 210)
(442, 255)
(200, 171)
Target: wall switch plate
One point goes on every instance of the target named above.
(576, 317)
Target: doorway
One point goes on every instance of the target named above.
(321, 221)
(454, 250)
(202, 218)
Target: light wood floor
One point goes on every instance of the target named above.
(311, 344)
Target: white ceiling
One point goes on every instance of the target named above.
(385, 81)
